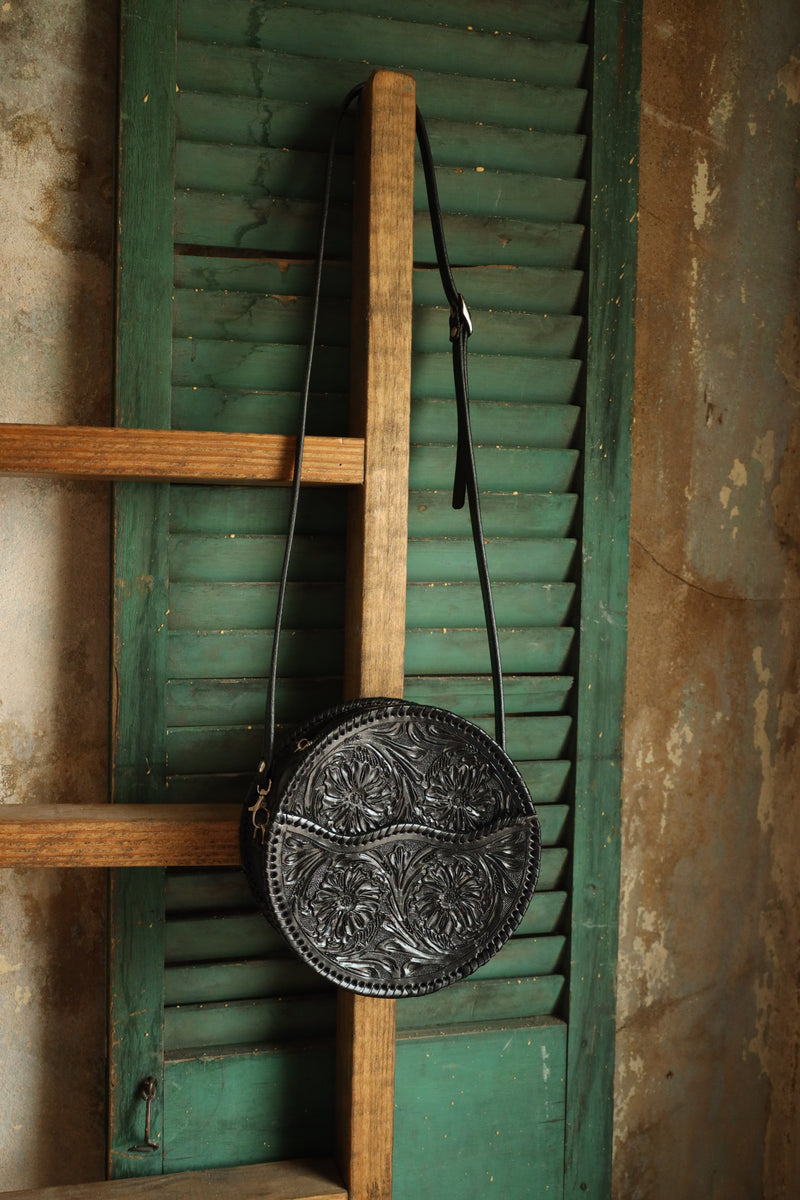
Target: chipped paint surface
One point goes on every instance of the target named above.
(707, 1096)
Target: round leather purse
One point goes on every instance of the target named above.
(394, 845)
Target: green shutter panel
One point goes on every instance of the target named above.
(246, 95)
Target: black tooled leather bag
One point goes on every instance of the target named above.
(394, 845)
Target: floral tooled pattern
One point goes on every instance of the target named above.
(355, 792)
(460, 792)
(450, 901)
(346, 905)
(404, 910)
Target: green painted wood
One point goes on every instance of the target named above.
(240, 511)
(270, 99)
(196, 702)
(479, 1001)
(208, 894)
(546, 781)
(199, 362)
(313, 651)
(264, 1021)
(255, 1106)
(617, 48)
(468, 187)
(480, 1114)
(514, 289)
(308, 606)
(244, 933)
(281, 976)
(284, 317)
(252, 559)
(235, 748)
(538, 19)
(142, 397)
(216, 1114)
(392, 42)
(254, 121)
(136, 1017)
(514, 424)
(209, 218)
(248, 71)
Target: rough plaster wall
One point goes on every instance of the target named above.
(708, 1007)
(57, 102)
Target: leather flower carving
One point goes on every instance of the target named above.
(460, 793)
(450, 900)
(355, 792)
(346, 905)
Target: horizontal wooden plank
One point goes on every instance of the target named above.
(118, 835)
(194, 702)
(386, 41)
(256, 121)
(147, 454)
(240, 511)
(301, 1179)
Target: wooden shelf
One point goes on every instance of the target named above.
(300, 1180)
(119, 835)
(193, 456)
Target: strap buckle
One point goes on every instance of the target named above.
(460, 320)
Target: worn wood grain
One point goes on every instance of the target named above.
(118, 835)
(182, 456)
(376, 554)
(295, 1180)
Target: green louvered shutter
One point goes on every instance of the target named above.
(238, 1033)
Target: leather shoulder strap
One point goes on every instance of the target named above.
(465, 482)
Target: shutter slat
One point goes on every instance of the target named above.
(470, 186)
(224, 511)
(280, 317)
(252, 605)
(252, 559)
(197, 702)
(536, 650)
(273, 224)
(251, 121)
(245, 71)
(389, 42)
(524, 289)
(536, 18)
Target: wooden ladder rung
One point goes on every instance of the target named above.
(119, 835)
(293, 1180)
(182, 456)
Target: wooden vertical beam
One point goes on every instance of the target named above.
(377, 539)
